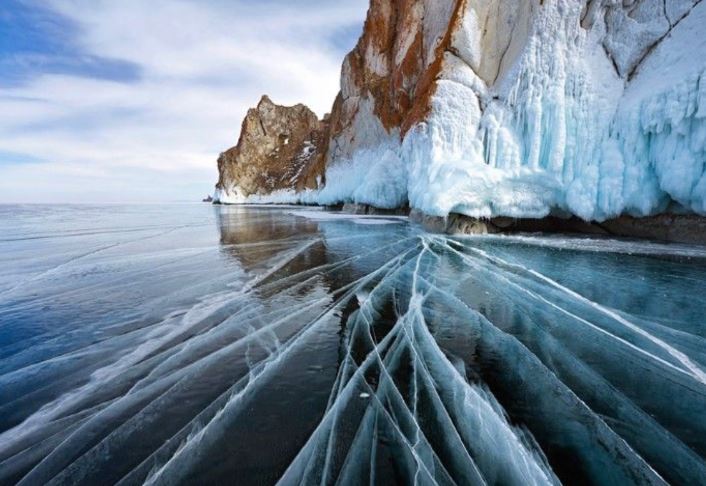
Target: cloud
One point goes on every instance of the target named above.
(155, 136)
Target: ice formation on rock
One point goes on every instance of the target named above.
(520, 108)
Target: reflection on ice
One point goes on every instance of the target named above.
(309, 348)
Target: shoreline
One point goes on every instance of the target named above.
(665, 227)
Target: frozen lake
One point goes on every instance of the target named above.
(192, 344)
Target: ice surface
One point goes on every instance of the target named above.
(358, 219)
(299, 347)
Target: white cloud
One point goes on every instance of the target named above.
(203, 65)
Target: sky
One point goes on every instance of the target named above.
(133, 100)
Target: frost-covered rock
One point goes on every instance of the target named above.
(573, 124)
(522, 108)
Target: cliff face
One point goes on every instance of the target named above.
(280, 149)
(520, 108)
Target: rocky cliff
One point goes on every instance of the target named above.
(503, 108)
(280, 149)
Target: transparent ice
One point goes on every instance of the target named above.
(274, 345)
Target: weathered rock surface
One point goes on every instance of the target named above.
(388, 77)
(672, 228)
(280, 148)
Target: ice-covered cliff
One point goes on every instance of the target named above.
(520, 108)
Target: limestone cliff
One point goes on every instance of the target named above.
(516, 108)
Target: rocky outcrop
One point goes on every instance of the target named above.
(280, 148)
(407, 50)
(510, 108)
(670, 228)
(388, 77)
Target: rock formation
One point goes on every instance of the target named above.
(507, 108)
(280, 148)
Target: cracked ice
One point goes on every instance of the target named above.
(280, 347)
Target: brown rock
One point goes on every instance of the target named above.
(279, 148)
(390, 75)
